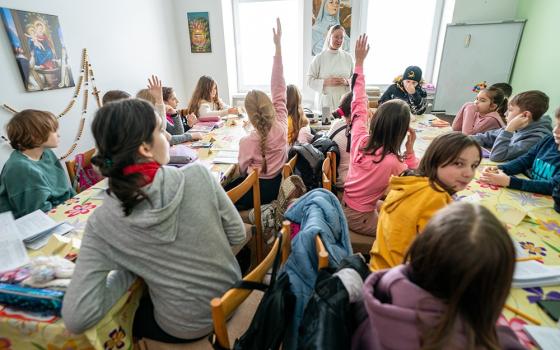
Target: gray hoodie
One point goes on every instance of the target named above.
(179, 245)
(505, 145)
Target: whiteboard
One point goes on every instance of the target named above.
(474, 52)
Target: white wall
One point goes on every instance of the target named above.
(484, 10)
(127, 40)
(195, 65)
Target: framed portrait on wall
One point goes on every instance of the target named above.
(39, 50)
(327, 13)
(199, 32)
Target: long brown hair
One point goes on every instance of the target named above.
(261, 115)
(117, 149)
(498, 98)
(295, 110)
(388, 129)
(465, 257)
(201, 92)
(443, 150)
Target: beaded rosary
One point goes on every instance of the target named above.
(86, 77)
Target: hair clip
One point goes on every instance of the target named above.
(108, 162)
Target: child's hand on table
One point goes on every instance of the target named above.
(494, 176)
(196, 136)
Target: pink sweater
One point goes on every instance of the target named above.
(276, 144)
(470, 122)
(367, 181)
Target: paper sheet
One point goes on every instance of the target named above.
(547, 338)
(35, 223)
(12, 251)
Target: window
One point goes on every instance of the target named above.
(254, 20)
(401, 33)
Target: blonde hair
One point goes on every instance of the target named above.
(144, 94)
(295, 110)
(261, 114)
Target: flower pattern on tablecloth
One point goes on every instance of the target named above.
(117, 339)
(537, 293)
(532, 249)
(80, 209)
(489, 186)
(549, 225)
(526, 198)
(516, 325)
(68, 345)
(5, 344)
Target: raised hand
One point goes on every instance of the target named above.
(154, 87)
(277, 33)
(410, 140)
(362, 49)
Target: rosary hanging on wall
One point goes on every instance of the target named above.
(86, 78)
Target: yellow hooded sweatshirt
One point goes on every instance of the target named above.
(410, 204)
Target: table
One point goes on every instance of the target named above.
(531, 221)
(26, 331)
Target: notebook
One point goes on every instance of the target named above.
(546, 338)
(535, 274)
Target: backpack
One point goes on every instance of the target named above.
(86, 176)
(308, 165)
(272, 214)
(273, 315)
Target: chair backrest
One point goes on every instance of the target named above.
(223, 307)
(251, 181)
(329, 171)
(71, 167)
(321, 253)
(289, 167)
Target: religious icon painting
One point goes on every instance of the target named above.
(199, 32)
(39, 49)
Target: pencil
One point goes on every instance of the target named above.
(527, 258)
(551, 246)
(522, 314)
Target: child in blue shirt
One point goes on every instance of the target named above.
(541, 163)
(526, 126)
(33, 178)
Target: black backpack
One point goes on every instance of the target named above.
(273, 315)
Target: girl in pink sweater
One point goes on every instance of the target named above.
(486, 113)
(375, 155)
(265, 147)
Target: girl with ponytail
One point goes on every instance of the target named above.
(265, 147)
(149, 227)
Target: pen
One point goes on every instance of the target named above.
(522, 314)
(528, 258)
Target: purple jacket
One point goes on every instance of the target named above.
(394, 305)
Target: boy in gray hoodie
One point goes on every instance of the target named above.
(525, 127)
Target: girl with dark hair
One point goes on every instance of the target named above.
(450, 291)
(488, 112)
(179, 120)
(206, 102)
(447, 167)
(298, 124)
(375, 154)
(138, 232)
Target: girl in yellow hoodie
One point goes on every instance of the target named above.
(447, 167)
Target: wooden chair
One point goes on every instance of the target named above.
(321, 253)
(223, 307)
(252, 181)
(289, 167)
(329, 171)
(71, 167)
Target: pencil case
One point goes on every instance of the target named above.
(31, 299)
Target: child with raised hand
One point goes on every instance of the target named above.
(298, 124)
(340, 133)
(526, 126)
(138, 231)
(447, 167)
(33, 178)
(176, 117)
(264, 147)
(375, 154)
(434, 299)
(541, 163)
(154, 95)
(205, 101)
(408, 88)
(486, 113)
